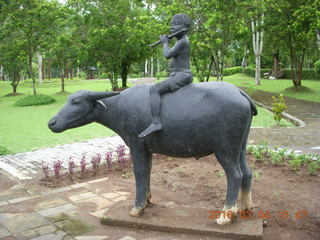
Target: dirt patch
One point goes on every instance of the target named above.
(289, 201)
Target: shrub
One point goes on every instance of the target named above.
(71, 166)
(295, 163)
(121, 151)
(4, 151)
(33, 100)
(45, 169)
(96, 161)
(252, 71)
(278, 106)
(109, 161)
(313, 167)
(161, 75)
(57, 165)
(83, 163)
(311, 74)
(317, 68)
(231, 71)
(103, 76)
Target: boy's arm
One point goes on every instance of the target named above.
(175, 50)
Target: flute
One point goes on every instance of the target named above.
(170, 36)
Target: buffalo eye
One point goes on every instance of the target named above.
(76, 101)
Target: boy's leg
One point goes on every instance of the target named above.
(155, 102)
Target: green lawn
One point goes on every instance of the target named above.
(25, 128)
(278, 86)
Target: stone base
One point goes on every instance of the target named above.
(182, 219)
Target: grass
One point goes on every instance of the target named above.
(24, 129)
(279, 86)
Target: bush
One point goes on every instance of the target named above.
(252, 71)
(4, 151)
(278, 106)
(103, 76)
(231, 71)
(317, 68)
(33, 100)
(310, 74)
(161, 75)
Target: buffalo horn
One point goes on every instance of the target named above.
(101, 95)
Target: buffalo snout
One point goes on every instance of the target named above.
(52, 124)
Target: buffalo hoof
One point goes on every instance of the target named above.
(149, 203)
(227, 216)
(245, 201)
(136, 212)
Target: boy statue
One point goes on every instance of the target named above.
(180, 74)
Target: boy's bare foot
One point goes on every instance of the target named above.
(153, 127)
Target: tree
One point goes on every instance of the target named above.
(118, 36)
(298, 20)
(33, 22)
(63, 47)
(12, 57)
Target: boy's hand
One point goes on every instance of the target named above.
(164, 39)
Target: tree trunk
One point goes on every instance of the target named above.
(1, 73)
(276, 63)
(210, 69)
(158, 65)
(62, 72)
(146, 72)
(124, 73)
(258, 69)
(151, 70)
(32, 75)
(40, 68)
(257, 40)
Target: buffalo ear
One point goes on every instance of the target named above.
(100, 95)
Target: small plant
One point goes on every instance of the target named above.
(83, 163)
(257, 174)
(220, 173)
(291, 155)
(71, 166)
(121, 151)
(108, 157)
(45, 169)
(57, 165)
(4, 151)
(276, 158)
(313, 167)
(96, 161)
(295, 163)
(278, 107)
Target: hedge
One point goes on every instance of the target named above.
(309, 74)
(231, 71)
(33, 100)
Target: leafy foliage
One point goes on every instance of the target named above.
(278, 106)
(33, 100)
(4, 151)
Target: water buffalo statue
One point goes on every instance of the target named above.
(198, 120)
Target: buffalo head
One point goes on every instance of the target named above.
(78, 111)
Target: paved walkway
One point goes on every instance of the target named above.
(71, 213)
(28, 164)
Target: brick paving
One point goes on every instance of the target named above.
(27, 165)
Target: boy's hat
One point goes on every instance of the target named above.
(184, 18)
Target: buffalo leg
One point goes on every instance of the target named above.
(230, 164)
(149, 203)
(245, 196)
(142, 168)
